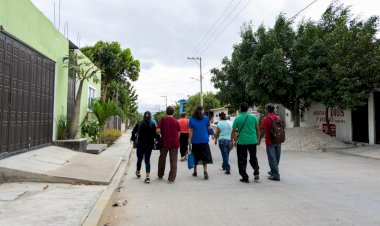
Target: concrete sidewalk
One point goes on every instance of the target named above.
(71, 204)
(370, 151)
(59, 165)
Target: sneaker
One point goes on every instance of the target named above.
(194, 174)
(228, 172)
(256, 178)
(147, 180)
(138, 175)
(274, 178)
(206, 175)
(244, 180)
(171, 182)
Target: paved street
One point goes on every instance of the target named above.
(316, 189)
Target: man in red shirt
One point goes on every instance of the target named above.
(169, 129)
(273, 149)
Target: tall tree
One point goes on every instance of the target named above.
(117, 64)
(352, 55)
(84, 70)
(125, 95)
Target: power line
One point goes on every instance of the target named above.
(295, 15)
(211, 28)
(219, 26)
(223, 30)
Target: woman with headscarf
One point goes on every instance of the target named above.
(144, 132)
(199, 138)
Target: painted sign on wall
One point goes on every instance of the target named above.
(332, 127)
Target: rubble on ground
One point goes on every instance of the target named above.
(309, 140)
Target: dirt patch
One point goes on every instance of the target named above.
(310, 139)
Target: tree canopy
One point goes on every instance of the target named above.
(333, 61)
(117, 64)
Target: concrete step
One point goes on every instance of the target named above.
(58, 165)
(96, 148)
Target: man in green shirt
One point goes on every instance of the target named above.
(247, 126)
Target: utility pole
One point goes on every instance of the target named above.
(200, 74)
(166, 100)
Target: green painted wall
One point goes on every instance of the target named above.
(24, 21)
(85, 93)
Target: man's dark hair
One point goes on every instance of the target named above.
(244, 107)
(169, 110)
(223, 116)
(198, 113)
(270, 108)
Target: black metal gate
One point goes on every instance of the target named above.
(26, 97)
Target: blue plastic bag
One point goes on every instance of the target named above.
(190, 161)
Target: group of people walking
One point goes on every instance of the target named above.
(193, 135)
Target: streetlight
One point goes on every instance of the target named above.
(200, 75)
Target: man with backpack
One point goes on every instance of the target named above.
(273, 128)
(247, 127)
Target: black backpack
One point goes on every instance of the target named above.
(278, 130)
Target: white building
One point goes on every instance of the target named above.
(360, 125)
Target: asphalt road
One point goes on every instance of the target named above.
(315, 189)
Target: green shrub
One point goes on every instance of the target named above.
(90, 128)
(62, 127)
(109, 136)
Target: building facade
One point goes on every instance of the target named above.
(361, 125)
(34, 84)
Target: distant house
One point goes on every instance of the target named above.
(359, 125)
(35, 88)
(216, 111)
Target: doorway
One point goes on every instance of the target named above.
(360, 124)
(376, 96)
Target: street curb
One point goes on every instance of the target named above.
(354, 154)
(96, 213)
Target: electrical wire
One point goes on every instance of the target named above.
(219, 26)
(212, 27)
(225, 28)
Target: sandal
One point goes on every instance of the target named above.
(147, 180)
(138, 175)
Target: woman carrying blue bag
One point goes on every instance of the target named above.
(198, 139)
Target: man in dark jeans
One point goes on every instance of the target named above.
(247, 126)
(169, 129)
(273, 150)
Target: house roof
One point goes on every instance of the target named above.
(72, 45)
(218, 109)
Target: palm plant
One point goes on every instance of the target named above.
(104, 110)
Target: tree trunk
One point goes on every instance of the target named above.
(328, 122)
(74, 122)
(296, 113)
(104, 92)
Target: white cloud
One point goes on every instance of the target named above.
(162, 32)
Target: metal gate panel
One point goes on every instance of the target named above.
(26, 96)
(5, 75)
